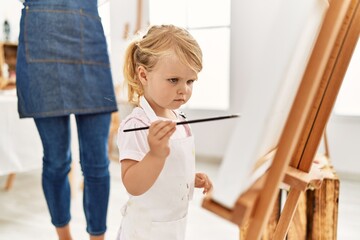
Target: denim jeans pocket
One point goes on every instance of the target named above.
(64, 36)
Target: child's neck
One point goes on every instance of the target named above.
(160, 111)
(169, 114)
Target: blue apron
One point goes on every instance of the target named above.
(62, 63)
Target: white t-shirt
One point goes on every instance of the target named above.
(134, 145)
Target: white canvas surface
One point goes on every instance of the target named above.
(278, 38)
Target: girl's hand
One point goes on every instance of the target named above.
(203, 181)
(158, 138)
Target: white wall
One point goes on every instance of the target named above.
(123, 12)
(212, 139)
(344, 144)
(343, 132)
(11, 11)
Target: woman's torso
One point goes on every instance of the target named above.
(63, 64)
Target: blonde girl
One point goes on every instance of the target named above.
(158, 164)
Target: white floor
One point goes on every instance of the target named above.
(24, 215)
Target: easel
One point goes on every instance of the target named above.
(304, 127)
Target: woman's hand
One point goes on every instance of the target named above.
(203, 181)
(158, 138)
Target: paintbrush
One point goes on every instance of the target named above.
(189, 122)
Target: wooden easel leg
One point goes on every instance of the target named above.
(300, 223)
(9, 181)
(270, 227)
(287, 214)
(324, 214)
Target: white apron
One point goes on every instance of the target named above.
(160, 213)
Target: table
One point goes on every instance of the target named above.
(20, 144)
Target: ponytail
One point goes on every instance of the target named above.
(134, 86)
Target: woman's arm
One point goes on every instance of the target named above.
(139, 176)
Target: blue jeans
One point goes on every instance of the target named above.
(93, 131)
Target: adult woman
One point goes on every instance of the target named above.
(63, 68)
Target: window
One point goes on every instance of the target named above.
(349, 96)
(209, 22)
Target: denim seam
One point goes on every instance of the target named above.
(77, 62)
(82, 36)
(25, 35)
(62, 224)
(80, 12)
(76, 111)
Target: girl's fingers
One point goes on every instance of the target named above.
(203, 181)
(208, 185)
(199, 180)
(161, 129)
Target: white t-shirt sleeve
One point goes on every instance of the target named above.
(132, 145)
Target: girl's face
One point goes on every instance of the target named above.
(168, 86)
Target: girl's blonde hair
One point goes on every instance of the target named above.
(159, 41)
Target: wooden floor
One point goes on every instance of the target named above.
(24, 215)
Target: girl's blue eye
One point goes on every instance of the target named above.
(173, 80)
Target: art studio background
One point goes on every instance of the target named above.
(221, 88)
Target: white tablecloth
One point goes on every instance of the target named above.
(20, 144)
